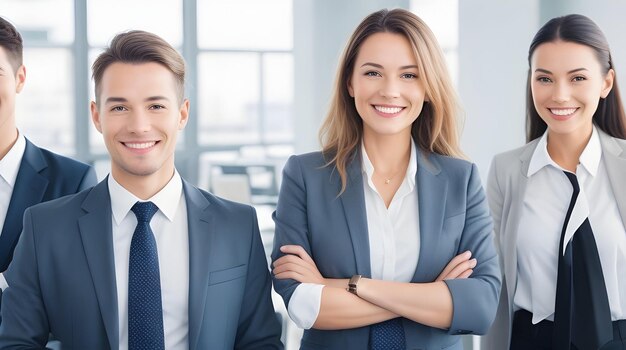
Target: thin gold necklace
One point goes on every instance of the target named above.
(389, 179)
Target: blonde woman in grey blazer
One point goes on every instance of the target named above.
(374, 234)
(575, 129)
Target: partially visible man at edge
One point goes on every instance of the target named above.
(28, 174)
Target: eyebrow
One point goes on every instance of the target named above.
(122, 99)
(541, 70)
(381, 67)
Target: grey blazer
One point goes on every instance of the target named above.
(62, 278)
(454, 217)
(505, 191)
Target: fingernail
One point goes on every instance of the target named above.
(474, 261)
(468, 253)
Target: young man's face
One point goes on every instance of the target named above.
(139, 117)
(11, 83)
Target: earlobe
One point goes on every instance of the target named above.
(350, 90)
(608, 83)
(95, 116)
(20, 78)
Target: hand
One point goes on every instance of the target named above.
(296, 264)
(461, 266)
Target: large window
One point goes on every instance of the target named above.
(245, 24)
(45, 108)
(239, 69)
(246, 59)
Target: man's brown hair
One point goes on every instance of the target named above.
(137, 47)
(11, 42)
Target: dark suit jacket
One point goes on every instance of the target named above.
(453, 217)
(62, 279)
(43, 176)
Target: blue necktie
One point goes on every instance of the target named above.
(145, 312)
(388, 335)
(582, 315)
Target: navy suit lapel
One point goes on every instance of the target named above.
(29, 190)
(432, 189)
(95, 231)
(353, 202)
(200, 226)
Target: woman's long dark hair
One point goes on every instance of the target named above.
(609, 116)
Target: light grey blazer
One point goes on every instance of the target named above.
(454, 217)
(505, 191)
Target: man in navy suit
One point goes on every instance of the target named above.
(28, 174)
(143, 259)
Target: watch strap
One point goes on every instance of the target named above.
(353, 283)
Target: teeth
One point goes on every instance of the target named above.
(388, 110)
(563, 111)
(140, 145)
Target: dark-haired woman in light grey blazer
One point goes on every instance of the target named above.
(571, 174)
(384, 239)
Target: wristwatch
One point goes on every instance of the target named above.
(352, 284)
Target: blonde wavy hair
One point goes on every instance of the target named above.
(436, 128)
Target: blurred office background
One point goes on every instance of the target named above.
(260, 75)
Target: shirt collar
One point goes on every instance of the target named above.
(122, 200)
(368, 167)
(10, 164)
(590, 158)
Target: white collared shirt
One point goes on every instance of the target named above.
(170, 229)
(546, 201)
(9, 167)
(394, 231)
(394, 239)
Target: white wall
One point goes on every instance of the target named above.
(493, 43)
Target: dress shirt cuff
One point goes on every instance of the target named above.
(304, 305)
(3, 282)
